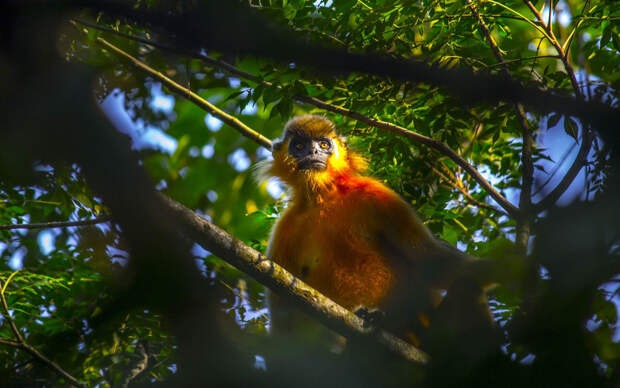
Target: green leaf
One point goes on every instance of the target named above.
(553, 120)
(571, 128)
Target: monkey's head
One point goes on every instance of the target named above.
(310, 154)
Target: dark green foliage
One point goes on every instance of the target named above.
(558, 315)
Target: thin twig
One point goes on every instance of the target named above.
(527, 164)
(534, 57)
(554, 42)
(20, 343)
(587, 135)
(7, 316)
(416, 137)
(138, 367)
(432, 143)
(463, 191)
(56, 224)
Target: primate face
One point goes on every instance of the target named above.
(311, 153)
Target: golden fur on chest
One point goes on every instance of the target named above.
(320, 245)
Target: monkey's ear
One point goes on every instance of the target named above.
(343, 140)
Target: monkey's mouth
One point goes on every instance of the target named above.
(312, 164)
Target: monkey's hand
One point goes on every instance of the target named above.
(373, 318)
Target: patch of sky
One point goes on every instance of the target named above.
(478, 236)
(199, 252)
(161, 185)
(562, 149)
(263, 153)
(142, 136)
(323, 3)
(511, 194)
(43, 168)
(161, 102)
(259, 362)
(25, 219)
(203, 215)
(116, 255)
(561, 13)
(194, 152)
(234, 82)
(612, 288)
(239, 160)
(202, 267)
(16, 262)
(528, 360)
(212, 195)
(46, 240)
(44, 312)
(213, 123)
(593, 323)
(208, 150)
(274, 188)
(250, 109)
(155, 138)
(86, 327)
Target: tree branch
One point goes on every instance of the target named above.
(188, 94)
(587, 136)
(527, 165)
(416, 137)
(138, 367)
(56, 224)
(21, 344)
(463, 191)
(255, 264)
(283, 283)
(432, 143)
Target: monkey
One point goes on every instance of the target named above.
(354, 239)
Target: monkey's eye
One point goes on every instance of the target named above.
(299, 146)
(324, 144)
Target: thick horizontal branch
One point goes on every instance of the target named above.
(416, 137)
(283, 282)
(56, 224)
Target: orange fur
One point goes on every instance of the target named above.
(333, 233)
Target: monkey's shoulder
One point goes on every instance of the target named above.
(368, 195)
(356, 187)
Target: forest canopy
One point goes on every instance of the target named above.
(133, 227)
